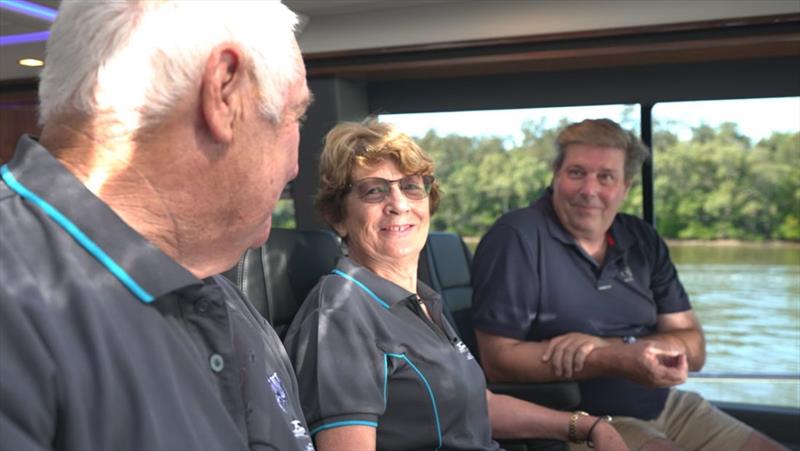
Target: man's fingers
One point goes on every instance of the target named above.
(551, 346)
(548, 352)
(567, 357)
(581, 355)
(555, 360)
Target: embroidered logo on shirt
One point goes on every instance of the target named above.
(626, 274)
(297, 429)
(277, 388)
(463, 349)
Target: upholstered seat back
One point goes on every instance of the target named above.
(444, 264)
(277, 276)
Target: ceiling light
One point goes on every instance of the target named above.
(31, 62)
(24, 38)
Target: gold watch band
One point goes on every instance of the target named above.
(572, 432)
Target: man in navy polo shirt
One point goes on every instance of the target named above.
(571, 289)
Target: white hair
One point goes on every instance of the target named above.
(132, 61)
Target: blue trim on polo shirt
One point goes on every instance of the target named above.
(430, 393)
(385, 378)
(339, 424)
(362, 286)
(76, 233)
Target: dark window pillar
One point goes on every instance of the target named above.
(335, 100)
(648, 201)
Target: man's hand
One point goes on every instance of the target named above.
(650, 363)
(654, 364)
(568, 352)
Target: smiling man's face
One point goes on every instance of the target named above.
(589, 188)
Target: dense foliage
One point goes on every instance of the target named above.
(715, 185)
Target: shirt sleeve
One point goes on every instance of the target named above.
(668, 292)
(505, 283)
(340, 370)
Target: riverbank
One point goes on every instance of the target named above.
(736, 243)
(472, 243)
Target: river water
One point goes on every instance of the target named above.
(748, 300)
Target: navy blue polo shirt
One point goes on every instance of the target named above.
(365, 354)
(106, 343)
(532, 281)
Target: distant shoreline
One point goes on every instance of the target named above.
(735, 243)
(473, 241)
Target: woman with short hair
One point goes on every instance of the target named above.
(379, 365)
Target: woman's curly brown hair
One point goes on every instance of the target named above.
(352, 144)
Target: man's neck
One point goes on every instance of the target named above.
(130, 178)
(595, 246)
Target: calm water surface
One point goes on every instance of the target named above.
(748, 300)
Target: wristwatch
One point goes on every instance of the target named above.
(629, 339)
(572, 432)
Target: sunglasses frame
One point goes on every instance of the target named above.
(427, 185)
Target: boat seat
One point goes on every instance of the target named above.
(277, 276)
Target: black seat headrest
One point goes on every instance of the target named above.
(277, 276)
(444, 264)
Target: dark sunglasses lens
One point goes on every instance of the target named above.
(414, 187)
(372, 189)
(375, 189)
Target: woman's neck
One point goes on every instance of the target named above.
(399, 273)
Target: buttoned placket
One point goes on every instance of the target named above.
(416, 303)
(205, 311)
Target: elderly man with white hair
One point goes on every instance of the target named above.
(169, 131)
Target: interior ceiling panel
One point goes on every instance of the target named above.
(338, 21)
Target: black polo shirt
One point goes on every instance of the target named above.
(365, 354)
(532, 281)
(108, 344)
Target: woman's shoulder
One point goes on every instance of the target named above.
(333, 293)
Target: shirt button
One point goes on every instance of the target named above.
(202, 306)
(217, 363)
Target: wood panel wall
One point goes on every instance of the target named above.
(18, 110)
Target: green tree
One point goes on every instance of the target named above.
(715, 185)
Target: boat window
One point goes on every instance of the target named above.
(727, 199)
(283, 214)
(492, 161)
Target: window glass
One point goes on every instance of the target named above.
(727, 199)
(283, 215)
(490, 162)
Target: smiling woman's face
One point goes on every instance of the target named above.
(390, 232)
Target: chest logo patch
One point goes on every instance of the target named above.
(626, 274)
(297, 429)
(277, 388)
(463, 349)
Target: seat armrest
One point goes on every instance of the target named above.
(555, 395)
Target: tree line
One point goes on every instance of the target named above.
(716, 185)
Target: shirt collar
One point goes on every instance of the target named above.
(387, 291)
(38, 171)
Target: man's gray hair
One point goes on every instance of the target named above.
(603, 133)
(132, 61)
